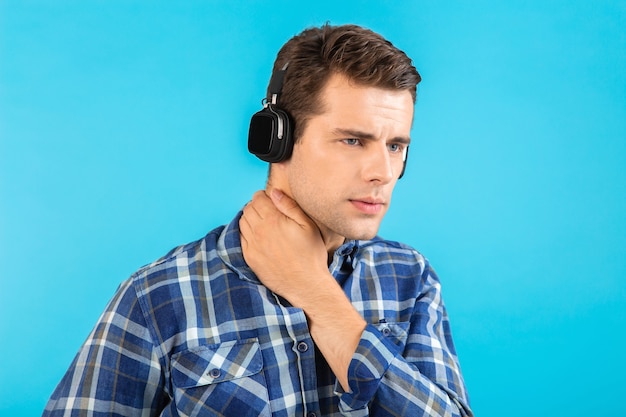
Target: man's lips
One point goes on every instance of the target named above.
(368, 205)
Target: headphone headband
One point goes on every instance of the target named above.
(276, 84)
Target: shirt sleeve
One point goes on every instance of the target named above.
(421, 378)
(117, 371)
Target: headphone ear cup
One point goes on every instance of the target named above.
(406, 158)
(270, 135)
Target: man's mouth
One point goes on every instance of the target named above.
(368, 205)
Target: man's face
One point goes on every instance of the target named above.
(345, 165)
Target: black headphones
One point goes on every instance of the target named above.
(270, 136)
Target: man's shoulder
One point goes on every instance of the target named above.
(181, 258)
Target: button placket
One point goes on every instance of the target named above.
(302, 346)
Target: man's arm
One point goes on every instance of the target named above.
(289, 257)
(116, 372)
(423, 377)
(285, 249)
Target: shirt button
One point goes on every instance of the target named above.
(303, 347)
(214, 373)
(311, 414)
(386, 331)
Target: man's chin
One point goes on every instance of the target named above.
(362, 234)
(349, 230)
(364, 237)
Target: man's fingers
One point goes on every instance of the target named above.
(259, 210)
(259, 207)
(289, 207)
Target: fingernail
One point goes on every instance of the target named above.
(277, 194)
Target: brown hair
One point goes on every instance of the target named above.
(362, 55)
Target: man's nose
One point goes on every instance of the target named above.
(379, 165)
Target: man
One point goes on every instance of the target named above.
(295, 308)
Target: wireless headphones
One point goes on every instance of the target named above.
(270, 135)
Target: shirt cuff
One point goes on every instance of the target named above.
(371, 360)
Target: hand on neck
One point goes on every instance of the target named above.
(278, 182)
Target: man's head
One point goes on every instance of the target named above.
(359, 54)
(351, 95)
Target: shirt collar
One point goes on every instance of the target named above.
(229, 250)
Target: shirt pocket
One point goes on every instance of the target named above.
(224, 379)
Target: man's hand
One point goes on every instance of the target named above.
(282, 245)
(285, 249)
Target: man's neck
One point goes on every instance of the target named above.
(331, 239)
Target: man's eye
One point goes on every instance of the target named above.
(395, 147)
(351, 141)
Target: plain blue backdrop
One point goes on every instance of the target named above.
(123, 129)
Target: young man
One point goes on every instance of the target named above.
(295, 308)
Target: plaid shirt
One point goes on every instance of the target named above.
(196, 334)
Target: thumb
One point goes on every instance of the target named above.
(288, 206)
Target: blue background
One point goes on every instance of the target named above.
(123, 131)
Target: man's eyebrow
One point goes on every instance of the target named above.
(357, 134)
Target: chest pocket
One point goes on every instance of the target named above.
(395, 332)
(225, 379)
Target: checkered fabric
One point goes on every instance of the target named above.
(196, 334)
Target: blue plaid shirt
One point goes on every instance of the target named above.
(196, 334)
